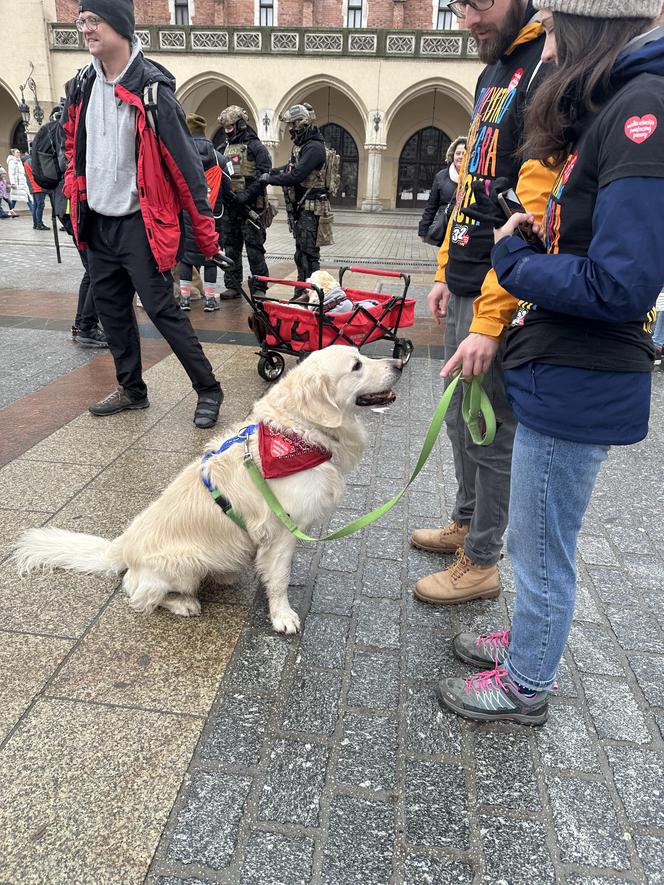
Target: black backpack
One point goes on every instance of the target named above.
(44, 156)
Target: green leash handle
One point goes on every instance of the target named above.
(477, 413)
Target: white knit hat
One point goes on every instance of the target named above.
(648, 9)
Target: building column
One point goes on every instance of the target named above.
(371, 201)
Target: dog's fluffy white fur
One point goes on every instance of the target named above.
(169, 548)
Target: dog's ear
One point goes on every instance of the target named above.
(316, 402)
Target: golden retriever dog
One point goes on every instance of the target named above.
(169, 548)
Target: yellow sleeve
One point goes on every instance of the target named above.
(443, 254)
(494, 308)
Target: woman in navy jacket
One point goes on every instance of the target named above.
(579, 353)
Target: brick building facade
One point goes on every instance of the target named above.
(419, 14)
(390, 89)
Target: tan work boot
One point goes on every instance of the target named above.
(445, 540)
(461, 582)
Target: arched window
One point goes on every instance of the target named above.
(423, 155)
(344, 144)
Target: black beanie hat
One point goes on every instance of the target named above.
(118, 13)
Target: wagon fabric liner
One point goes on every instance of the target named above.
(300, 326)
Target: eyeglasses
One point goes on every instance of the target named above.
(91, 23)
(458, 7)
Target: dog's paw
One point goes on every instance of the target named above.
(286, 621)
(185, 606)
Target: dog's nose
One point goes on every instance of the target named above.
(398, 364)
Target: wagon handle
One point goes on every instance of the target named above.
(379, 273)
(295, 284)
(375, 273)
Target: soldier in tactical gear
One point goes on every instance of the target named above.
(303, 181)
(244, 202)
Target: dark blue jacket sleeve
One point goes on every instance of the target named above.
(623, 273)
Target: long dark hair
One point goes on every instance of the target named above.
(581, 83)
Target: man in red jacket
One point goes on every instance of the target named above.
(127, 180)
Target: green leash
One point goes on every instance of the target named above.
(478, 415)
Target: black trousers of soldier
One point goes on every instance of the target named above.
(121, 263)
(235, 232)
(307, 253)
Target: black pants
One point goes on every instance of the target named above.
(307, 253)
(121, 263)
(86, 312)
(187, 272)
(235, 233)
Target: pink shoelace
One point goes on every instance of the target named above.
(497, 640)
(481, 682)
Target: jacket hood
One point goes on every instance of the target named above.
(642, 55)
(206, 151)
(313, 134)
(531, 29)
(140, 71)
(245, 135)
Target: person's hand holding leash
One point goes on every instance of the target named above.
(475, 355)
(438, 300)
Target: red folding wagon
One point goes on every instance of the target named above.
(283, 327)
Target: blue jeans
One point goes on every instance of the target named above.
(552, 481)
(658, 334)
(38, 208)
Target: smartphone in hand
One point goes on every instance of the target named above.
(511, 205)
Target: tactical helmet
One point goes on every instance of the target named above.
(299, 118)
(235, 117)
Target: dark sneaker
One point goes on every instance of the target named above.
(74, 332)
(185, 302)
(229, 295)
(207, 409)
(492, 696)
(210, 303)
(91, 338)
(42, 227)
(118, 401)
(489, 650)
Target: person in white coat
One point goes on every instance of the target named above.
(18, 182)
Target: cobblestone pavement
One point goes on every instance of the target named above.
(131, 752)
(326, 758)
(29, 260)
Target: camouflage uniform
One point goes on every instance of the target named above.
(249, 158)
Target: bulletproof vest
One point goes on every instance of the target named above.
(315, 179)
(243, 166)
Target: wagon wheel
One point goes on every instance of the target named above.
(271, 366)
(403, 350)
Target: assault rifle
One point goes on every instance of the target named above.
(290, 211)
(250, 215)
(291, 208)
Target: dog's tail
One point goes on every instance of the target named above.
(50, 548)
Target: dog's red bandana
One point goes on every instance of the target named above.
(284, 453)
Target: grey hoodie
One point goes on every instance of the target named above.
(111, 146)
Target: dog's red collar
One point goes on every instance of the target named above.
(283, 453)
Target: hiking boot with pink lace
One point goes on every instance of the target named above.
(493, 696)
(488, 650)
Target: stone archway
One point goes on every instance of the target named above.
(208, 94)
(419, 127)
(10, 120)
(337, 112)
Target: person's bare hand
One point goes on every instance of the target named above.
(475, 355)
(438, 300)
(510, 226)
